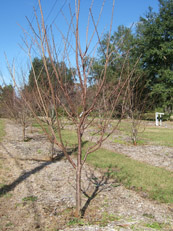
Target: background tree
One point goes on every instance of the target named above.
(155, 44)
(120, 50)
(40, 74)
(13, 107)
(7, 101)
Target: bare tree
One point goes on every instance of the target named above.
(15, 102)
(81, 110)
(138, 104)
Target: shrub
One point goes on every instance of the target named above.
(166, 117)
(148, 116)
(171, 117)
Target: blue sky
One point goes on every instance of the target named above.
(13, 16)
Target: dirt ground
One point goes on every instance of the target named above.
(37, 194)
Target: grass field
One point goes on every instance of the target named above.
(147, 134)
(156, 182)
(158, 136)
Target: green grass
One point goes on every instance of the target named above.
(120, 141)
(124, 126)
(159, 136)
(75, 221)
(36, 125)
(2, 127)
(155, 225)
(9, 224)
(156, 182)
(147, 135)
(107, 218)
(7, 195)
(69, 137)
(30, 198)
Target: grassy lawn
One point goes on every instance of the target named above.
(69, 137)
(2, 126)
(158, 136)
(147, 135)
(156, 182)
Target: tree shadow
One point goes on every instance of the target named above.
(58, 157)
(24, 175)
(100, 184)
(7, 188)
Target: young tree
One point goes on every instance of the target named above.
(137, 105)
(81, 110)
(14, 107)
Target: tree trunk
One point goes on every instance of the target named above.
(134, 142)
(31, 128)
(52, 151)
(78, 176)
(24, 132)
(78, 191)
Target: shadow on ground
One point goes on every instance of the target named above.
(7, 188)
(100, 184)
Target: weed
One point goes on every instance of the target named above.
(30, 198)
(18, 205)
(155, 225)
(106, 218)
(68, 211)
(2, 185)
(27, 139)
(9, 224)
(8, 195)
(149, 215)
(119, 141)
(39, 151)
(76, 221)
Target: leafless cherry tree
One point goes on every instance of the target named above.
(138, 104)
(15, 104)
(75, 100)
